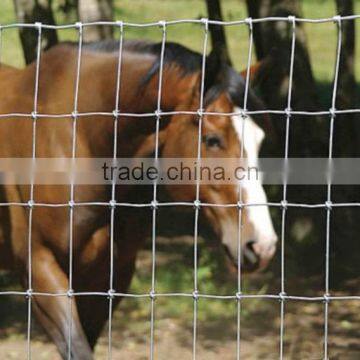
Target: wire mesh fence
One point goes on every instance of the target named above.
(283, 297)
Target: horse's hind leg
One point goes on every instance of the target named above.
(53, 311)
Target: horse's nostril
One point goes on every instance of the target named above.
(249, 253)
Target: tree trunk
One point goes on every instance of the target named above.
(275, 38)
(218, 38)
(347, 84)
(347, 90)
(30, 11)
(69, 9)
(96, 10)
(308, 134)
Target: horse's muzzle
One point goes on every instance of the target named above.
(256, 255)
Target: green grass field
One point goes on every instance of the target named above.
(321, 37)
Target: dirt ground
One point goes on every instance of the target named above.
(216, 336)
(259, 338)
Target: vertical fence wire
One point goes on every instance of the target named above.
(162, 25)
(31, 197)
(197, 195)
(113, 188)
(240, 192)
(72, 187)
(328, 198)
(1, 41)
(291, 19)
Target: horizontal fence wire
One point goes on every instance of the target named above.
(183, 21)
(150, 295)
(154, 205)
(185, 112)
(194, 204)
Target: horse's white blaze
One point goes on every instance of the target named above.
(258, 216)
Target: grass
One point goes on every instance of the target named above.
(321, 37)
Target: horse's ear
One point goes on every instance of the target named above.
(254, 73)
(260, 70)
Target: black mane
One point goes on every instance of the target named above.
(223, 79)
(188, 61)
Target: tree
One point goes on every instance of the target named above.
(275, 37)
(68, 8)
(30, 11)
(347, 83)
(96, 10)
(347, 91)
(218, 38)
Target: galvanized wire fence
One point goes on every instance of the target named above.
(284, 205)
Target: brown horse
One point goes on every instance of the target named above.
(223, 92)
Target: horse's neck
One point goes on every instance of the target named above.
(7, 68)
(97, 93)
(137, 97)
(7, 72)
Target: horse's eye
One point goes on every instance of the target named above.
(212, 141)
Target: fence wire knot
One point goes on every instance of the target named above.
(205, 21)
(29, 293)
(328, 205)
(111, 294)
(332, 112)
(70, 293)
(120, 24)
(71, 204)
(34, 115)
(288, 112)
(154, 204)
(249, 22)
(112, 203)
(162, 24)
(326, 297)
(239, 205)
(284, 204)
(337, 19)
(282, 296)
(30, 204)
(292, 20)
(238, 296)
(195, 295)
(158, 113)
(38, 25)
(79, 25)
(152, 295)
(243, 113)
(197, 204)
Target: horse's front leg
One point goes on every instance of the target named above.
(95, 277)
(53, 311)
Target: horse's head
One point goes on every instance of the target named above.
(222, 138)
